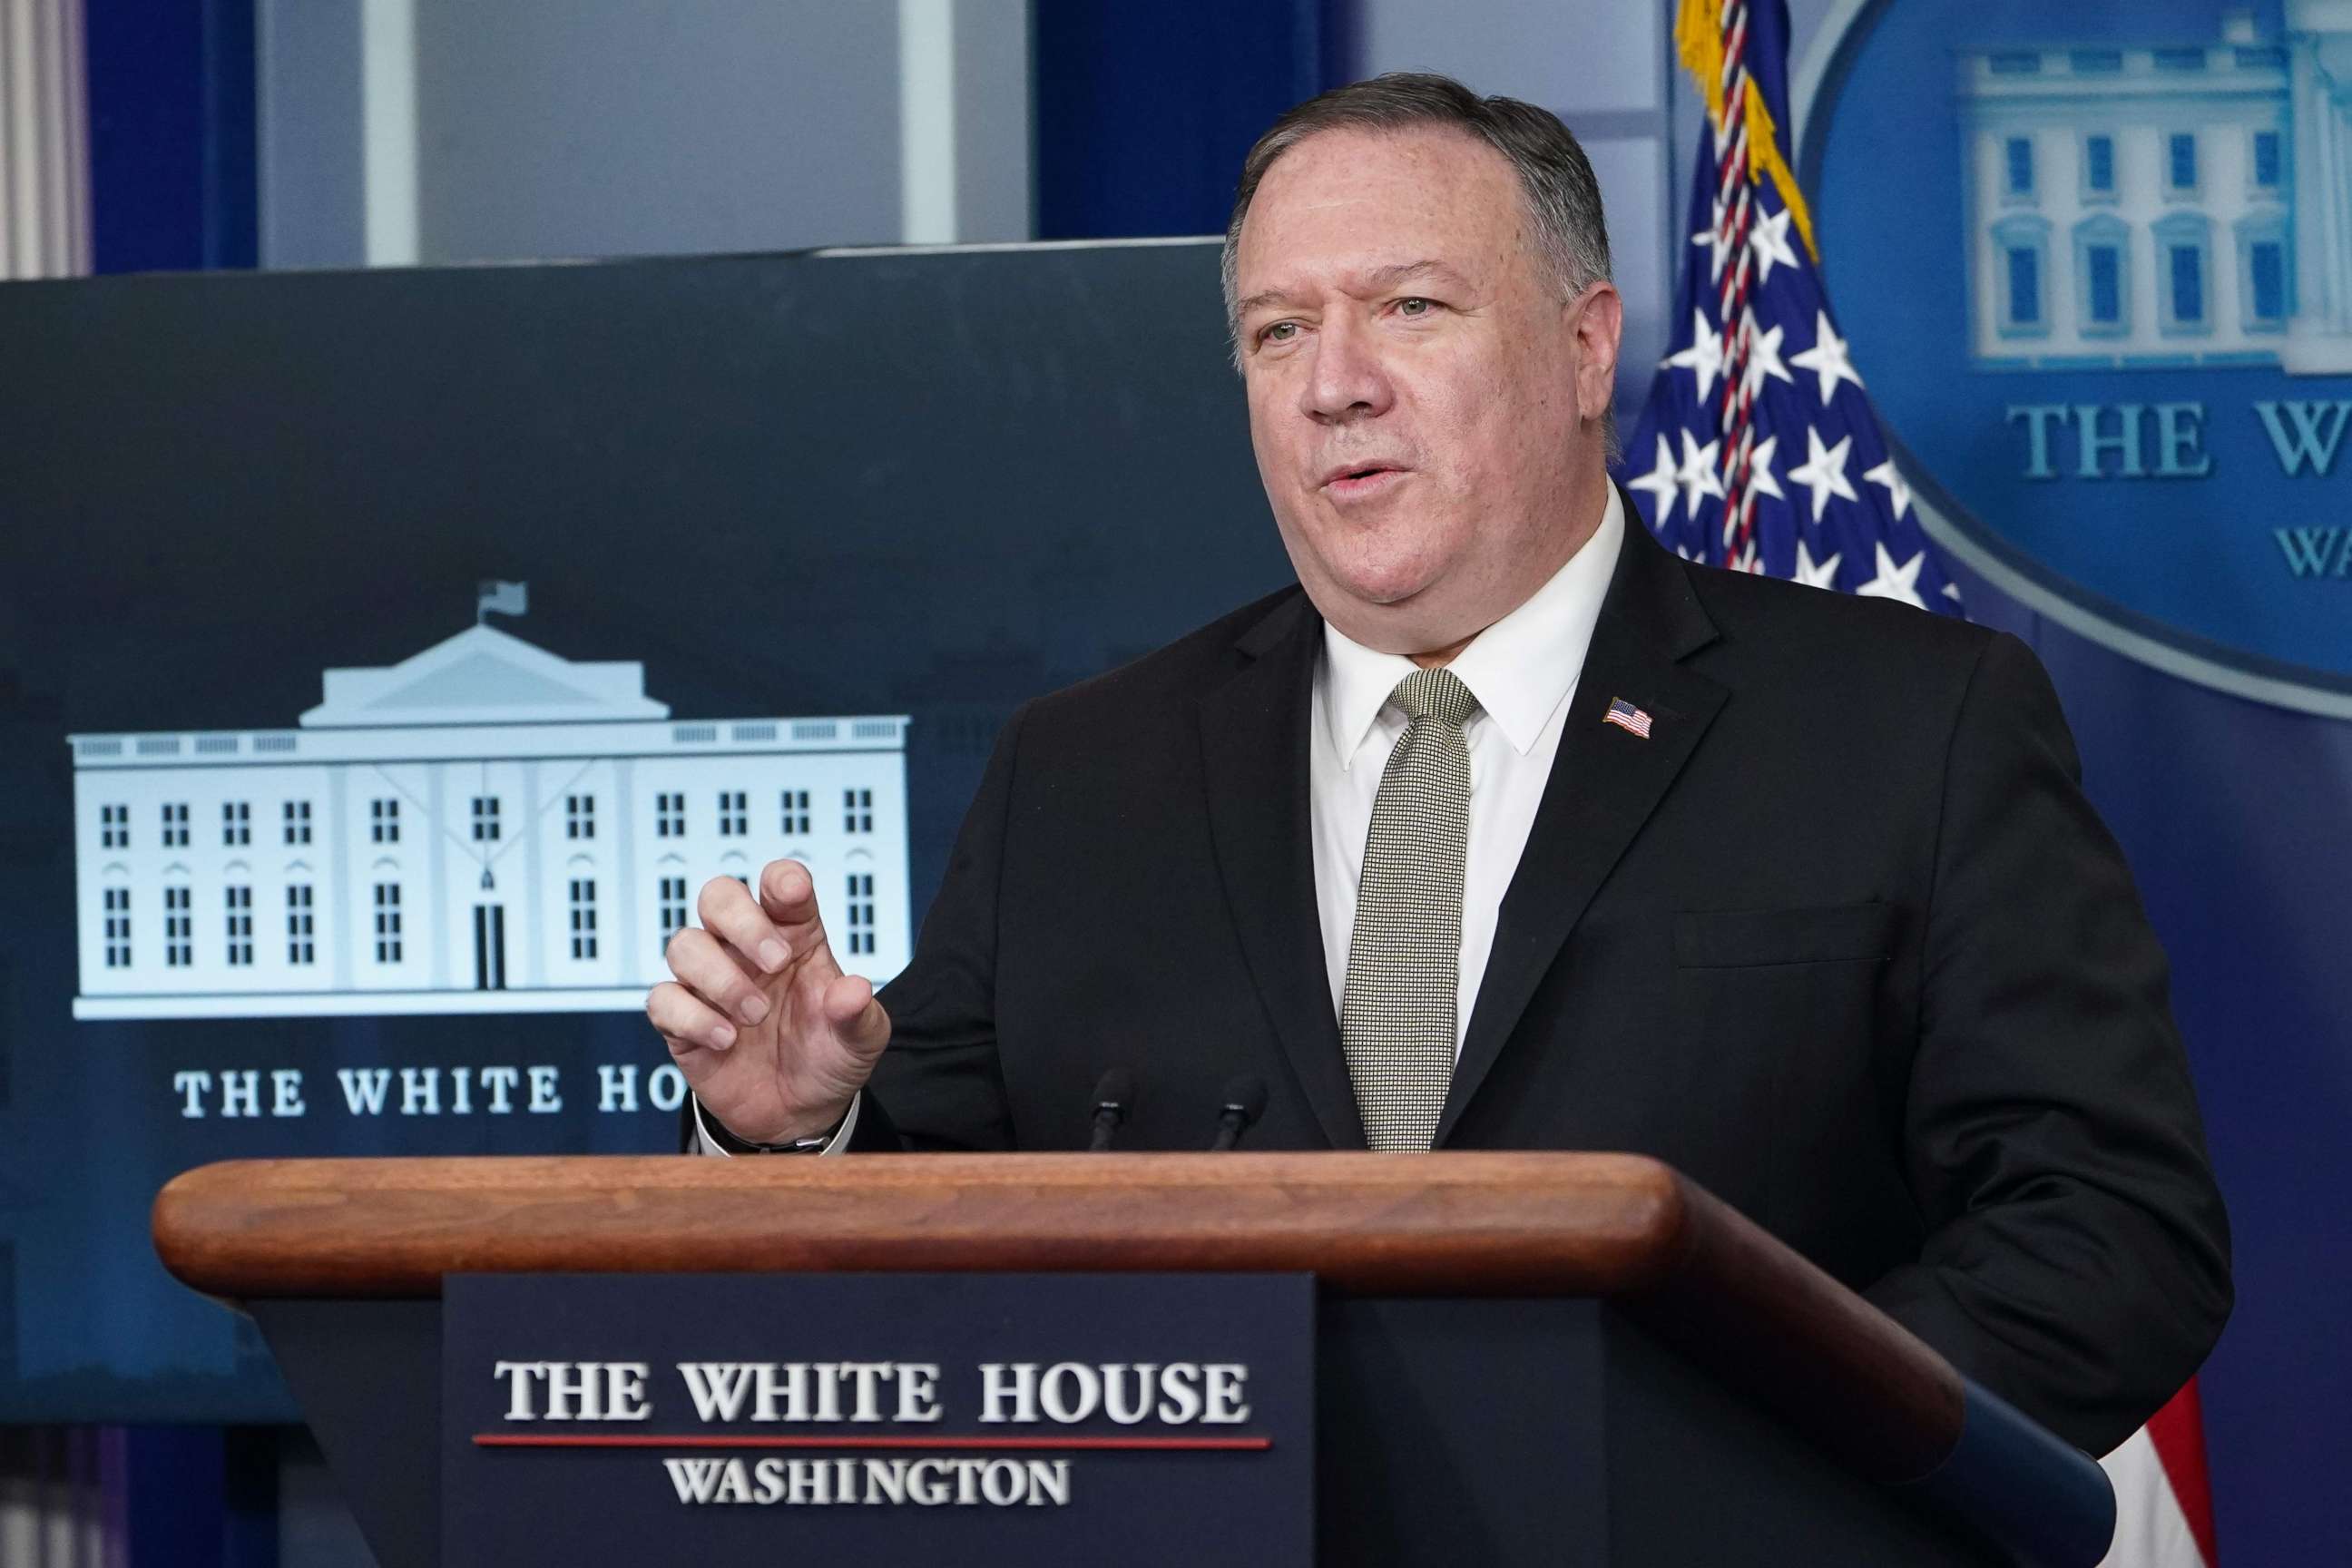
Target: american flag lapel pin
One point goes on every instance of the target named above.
(1627, 717)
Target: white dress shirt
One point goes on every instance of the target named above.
(1522, 669)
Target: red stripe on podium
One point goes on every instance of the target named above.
(715, 1440)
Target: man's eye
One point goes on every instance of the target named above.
(1280, 332)
(1415, 307)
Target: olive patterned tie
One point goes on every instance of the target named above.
(1397, 1020)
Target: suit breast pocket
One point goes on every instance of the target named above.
(1789, 1010)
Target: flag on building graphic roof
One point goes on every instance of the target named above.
(495, 597)
(1758, 448)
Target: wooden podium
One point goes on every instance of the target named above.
(1752, 1409)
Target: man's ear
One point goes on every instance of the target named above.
(1598, 323)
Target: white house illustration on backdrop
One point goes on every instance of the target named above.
(481, 827)
(2165, 205)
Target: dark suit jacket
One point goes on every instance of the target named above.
(1841, 939)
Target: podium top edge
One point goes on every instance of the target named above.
(1467, 1223)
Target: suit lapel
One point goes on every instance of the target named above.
(1604, 784)
(1254, 753)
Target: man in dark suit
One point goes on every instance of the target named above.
(1507, 828)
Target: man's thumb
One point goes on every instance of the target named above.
(857, 1014)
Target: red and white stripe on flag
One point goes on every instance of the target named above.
(2164, 1507)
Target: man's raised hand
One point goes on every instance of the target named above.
(774, 1040)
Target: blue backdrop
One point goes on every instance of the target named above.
(2232, 811)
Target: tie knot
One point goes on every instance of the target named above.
(1435, 694)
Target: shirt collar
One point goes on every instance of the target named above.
(1521, 668)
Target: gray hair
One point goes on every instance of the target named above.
(1563, 199)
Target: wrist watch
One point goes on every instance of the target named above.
(717, 1132)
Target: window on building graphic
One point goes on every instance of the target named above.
(2025, 286)
(860, 911)
(2099, 165)
(179, 929)
(579, 817)
(297, 822)
(176, 826)
(384, 821)
(117, 928)
(2181, 161)
(796, 813)
(2184, 271)
(583, 917)
(2188, 279)
(2021, 260)
(300, 945)
(486, 819)
(2266, 270)
(387, 922)
(2105, 264)
(673, 909)
(2102, 275)
(669, 816)
(114, 828)
(2017, 159)
(857, 811)
(236, 822)
(238, 923)
(734, 820)
(2269, 160)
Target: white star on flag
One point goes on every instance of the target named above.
(1769, 240)
(1764, 359)
(1892, 582)
(1705, 354)
(1662, 481)
(1816, 573)
(1898, 494)
(1824, 470)
(1826, 359)
(1699, 477)
(1760, 468)
(1718, 247)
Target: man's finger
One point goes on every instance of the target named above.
(686, 1022)
(726, 907)
(788, 892)
(715, 976)
(731, 913)
(789, 895)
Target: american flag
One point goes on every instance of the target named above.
(1758, 448)
(1625, 716)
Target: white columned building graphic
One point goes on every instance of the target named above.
(481, 827)
(2168, 205)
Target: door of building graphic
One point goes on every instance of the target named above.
(490, 947)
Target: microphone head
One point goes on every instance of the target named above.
(1246, 1093)
(1117, 1089)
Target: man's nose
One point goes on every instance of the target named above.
(1347, 382)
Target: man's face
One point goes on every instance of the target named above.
(1425, 406)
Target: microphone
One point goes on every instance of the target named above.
(1114, 1102)
(1245, 1104)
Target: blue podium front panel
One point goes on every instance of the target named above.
(978, 1419)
